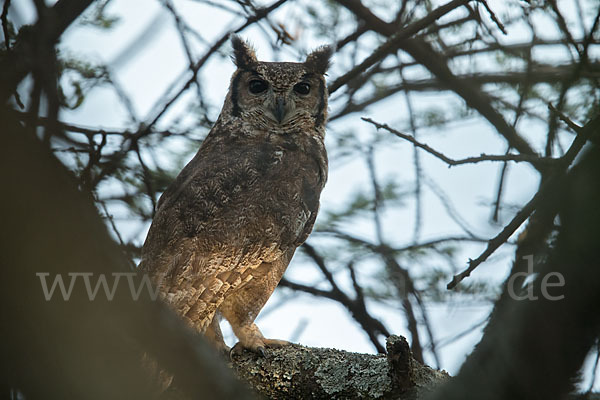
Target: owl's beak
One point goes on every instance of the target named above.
(280, 108)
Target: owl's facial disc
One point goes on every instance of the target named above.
(282, 96)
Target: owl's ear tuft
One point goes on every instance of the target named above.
(243, 54)
(318, 60)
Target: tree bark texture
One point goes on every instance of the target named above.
(298, 372)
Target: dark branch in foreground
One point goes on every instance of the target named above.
(58, 348)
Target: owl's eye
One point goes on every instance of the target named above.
(257, 86)
(302, 88)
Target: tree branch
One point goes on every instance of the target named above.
(298, 372)
(469, 160)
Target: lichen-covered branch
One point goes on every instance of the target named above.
(298, 372)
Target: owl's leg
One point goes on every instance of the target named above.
(242, 306)
(215, 337)
(252, 339)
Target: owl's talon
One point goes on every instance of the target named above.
(235, 351)
(238, 350)
(259, 349)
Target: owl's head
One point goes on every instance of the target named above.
(279, 96)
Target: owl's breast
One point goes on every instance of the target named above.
(244, 190)
(285, 194)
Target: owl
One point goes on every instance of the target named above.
(225, 231)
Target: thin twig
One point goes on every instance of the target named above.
(469, 160)
(493, 16)
(111, 219)
(503, 173)
(87, 131)
(523, 90)
(147, 179)
(451, 339)
(425, 321)
(576, 128)
(450, 209)
(412, 247)
(377, 198)
(417, 165)
(4, 20)
(562, 23)
(180, 24)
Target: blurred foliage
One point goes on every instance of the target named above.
(77, 78)
(98, 17)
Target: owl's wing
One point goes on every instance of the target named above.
(194, 280)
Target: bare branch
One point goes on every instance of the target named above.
(416, 246)
(4, 20)
(493, 16)
(87, 131)
(576, 128)
(470, 160)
